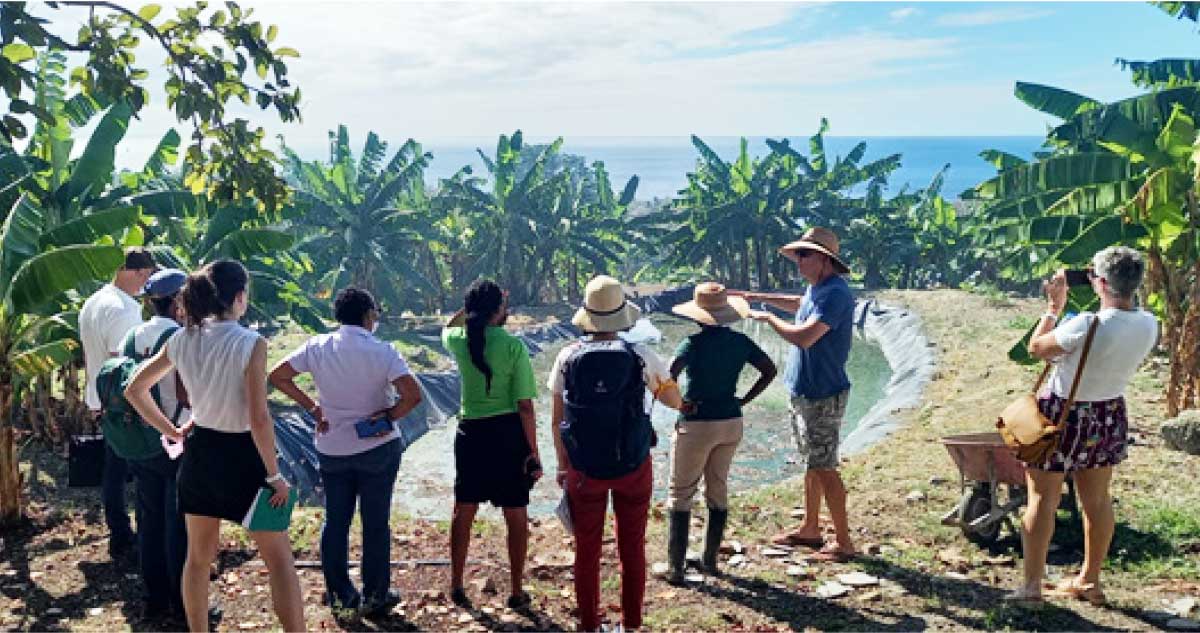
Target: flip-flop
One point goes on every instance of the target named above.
(792, 540)
(833, 556)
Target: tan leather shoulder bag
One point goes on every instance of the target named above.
(1030, 435)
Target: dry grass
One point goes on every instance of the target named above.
(932, 577)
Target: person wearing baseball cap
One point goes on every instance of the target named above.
(104, 320)
(816, 374)
(161, 534)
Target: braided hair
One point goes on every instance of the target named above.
(481, 303)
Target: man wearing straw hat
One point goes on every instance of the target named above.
(710, 428)
(816, 375)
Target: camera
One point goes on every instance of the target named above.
(1079, 277)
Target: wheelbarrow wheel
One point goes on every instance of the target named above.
(978, 503)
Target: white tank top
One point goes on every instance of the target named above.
(212, 362)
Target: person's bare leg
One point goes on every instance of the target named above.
(1092, 485)
(517, 522)
(460, 541)
(203, 541)
(835, 497)
(1037, 525)
(813, 492)
(276, 552)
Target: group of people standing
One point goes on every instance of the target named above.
(602, 430)
(205, 379)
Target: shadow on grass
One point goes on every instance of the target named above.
(802, 611)
(976, 605)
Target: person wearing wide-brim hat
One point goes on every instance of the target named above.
(709, 429)
(816, 375)
(602, 436)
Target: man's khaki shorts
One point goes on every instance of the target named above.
(817, 426)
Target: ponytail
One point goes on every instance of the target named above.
(212, 290)
(482, 302)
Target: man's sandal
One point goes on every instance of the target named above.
(1073, 588)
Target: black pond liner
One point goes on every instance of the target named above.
(294, 427)
(298, 457)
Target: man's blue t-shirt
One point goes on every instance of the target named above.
(820, 371)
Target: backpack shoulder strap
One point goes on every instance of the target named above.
(162, 339)
(129, 349)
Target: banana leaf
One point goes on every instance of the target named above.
(1101, 234)
(48, 274)
(44, 358)
(1063, 104)
(90, 228)
(94, 168)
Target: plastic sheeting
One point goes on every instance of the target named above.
(298, 457)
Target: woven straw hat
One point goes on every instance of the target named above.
(605, 308)
(818, 239)
(711, 306)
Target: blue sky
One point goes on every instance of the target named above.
(670, 69)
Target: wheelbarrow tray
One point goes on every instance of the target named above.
(984, 457)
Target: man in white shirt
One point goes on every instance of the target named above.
(161, 535)
(105, 319)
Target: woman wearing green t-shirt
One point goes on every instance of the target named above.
(495, 450)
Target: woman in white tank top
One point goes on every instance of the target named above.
(230, 445)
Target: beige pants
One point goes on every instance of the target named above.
(702, 448)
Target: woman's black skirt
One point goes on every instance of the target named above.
(220, 474)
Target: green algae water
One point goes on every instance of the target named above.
(767, 453)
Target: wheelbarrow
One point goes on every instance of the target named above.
(992, 481)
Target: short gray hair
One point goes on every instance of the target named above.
(1123, 269)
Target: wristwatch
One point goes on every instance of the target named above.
(274, 478)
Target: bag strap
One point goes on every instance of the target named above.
(162, 340)
(129, 349)
(1087, 347)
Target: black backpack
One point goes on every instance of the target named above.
(605, 427)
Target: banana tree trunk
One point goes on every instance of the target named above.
(10, 470)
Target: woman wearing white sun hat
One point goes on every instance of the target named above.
(602, 435)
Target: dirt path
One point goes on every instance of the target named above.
(55, 572)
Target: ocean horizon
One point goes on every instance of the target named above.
(662, 162)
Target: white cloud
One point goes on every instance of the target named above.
(991, 16)
(438, 70)
(903, 14)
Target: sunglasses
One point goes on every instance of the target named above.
(801, 253)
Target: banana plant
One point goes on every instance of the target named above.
(505, 219)
(35, 337)
(1117, 173)
(367, 222)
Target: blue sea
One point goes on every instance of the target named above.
(662, 162)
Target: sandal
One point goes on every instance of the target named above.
(1073, 588)
(792, 539)
(1024, 597)
(832, 554)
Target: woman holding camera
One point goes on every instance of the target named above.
(1093, 440)
(495, 449)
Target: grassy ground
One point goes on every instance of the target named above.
(55, 572)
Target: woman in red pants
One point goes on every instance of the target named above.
(602, 435)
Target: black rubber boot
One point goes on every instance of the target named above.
(677, 541)
(715, 532)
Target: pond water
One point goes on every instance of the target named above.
(767, 452)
